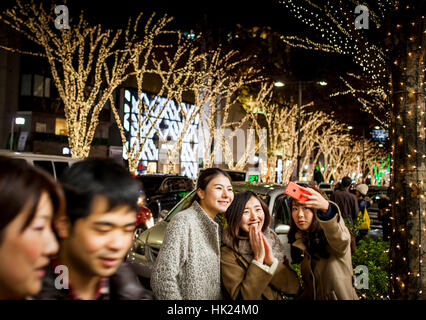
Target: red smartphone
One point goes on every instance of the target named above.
(296, 192)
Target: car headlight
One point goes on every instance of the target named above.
(150, 222)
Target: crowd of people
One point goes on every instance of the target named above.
(67, 239)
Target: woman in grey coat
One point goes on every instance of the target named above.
(188, 265)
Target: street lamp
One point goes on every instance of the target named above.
(19, 121)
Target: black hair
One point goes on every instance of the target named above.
(22, 185)
(207, 175)
(235, 212)
(346, 182)
(314, 238)
(89, 178)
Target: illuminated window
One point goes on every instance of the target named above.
(169, 128)
(61, 127)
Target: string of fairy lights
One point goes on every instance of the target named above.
(335, 24)
(373, 61)
(416, 183)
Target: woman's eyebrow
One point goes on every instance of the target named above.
(221, 185)
(46, 216)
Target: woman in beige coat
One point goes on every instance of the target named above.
(253, 264)
(323, 244)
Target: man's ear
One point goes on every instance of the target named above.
(200, 194)
(62, 225)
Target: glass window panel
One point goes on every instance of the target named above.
(26, 85)
(47, 87)
(38, 86)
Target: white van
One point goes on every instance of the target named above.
(55, 165)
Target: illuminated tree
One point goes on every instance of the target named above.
(174, 68)
(391, 61)
(81, 58)
(334, 31)
(186, 79)
(217, 94)
(253, 109)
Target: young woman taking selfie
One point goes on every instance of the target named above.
(323, 245)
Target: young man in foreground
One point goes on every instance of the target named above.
(95, 235)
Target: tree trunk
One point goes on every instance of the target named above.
(408, 266)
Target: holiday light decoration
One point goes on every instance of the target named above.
(253, 129)
(334, 24)
(87, 63)
(393, 69)
(179, 82)
(167, 124)
(282, 132)
(217, 94)
(172, 83)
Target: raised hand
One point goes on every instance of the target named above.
(256, 243)
(316, 200)
(269, 255)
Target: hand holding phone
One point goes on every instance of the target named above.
(296, 192)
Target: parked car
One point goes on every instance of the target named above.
(145, 220)
(164, 191)
(147, 246)
(55, 165)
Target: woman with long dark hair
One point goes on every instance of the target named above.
(188, 265)
(323, 245)
(253, 263)
(29, 200)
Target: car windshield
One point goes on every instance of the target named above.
(182, 205)
(151, 184)
(237, 176)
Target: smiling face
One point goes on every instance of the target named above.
(302, 215)
(24, 254)
(97, 244)
(253, 215)
(217, 196)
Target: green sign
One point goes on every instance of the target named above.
(253, 178)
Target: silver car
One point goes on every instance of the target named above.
(147, 245)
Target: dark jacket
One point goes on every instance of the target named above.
(123, 285)
(347, 203)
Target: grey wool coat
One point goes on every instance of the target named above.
(188, 264)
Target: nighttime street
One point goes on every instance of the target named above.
(228, 150)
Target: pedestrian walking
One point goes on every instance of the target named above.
(188, 264)
(253, 263)
(362, 223)
(322, 243)
(29, 200)
(95, 235)
(346, 201)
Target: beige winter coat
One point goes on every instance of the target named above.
(244, 279)
(332, 278)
